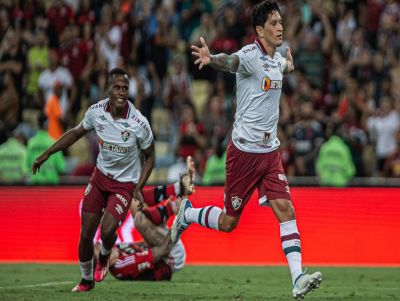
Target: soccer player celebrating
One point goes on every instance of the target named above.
(253, 159)
(124, 137)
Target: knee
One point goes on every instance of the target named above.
(86, 235)
(283, 208)
(227, 224)
(107, 230)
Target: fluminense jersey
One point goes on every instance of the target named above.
(259, 85)
(120, 140)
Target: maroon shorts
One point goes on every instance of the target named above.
(103, 192)
(248, 171)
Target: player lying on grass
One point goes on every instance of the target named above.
(156, 257)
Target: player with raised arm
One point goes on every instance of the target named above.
(124, 137)
(253, 159)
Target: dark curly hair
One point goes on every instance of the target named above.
(262, 11)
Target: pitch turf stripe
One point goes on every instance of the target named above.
(207, 214)
(291, 249)
(200, 216)
(36, 285)
(290, 237)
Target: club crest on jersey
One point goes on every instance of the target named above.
(268, 84)
(125, 135)
(236, 202)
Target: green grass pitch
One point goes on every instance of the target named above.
(54, 282)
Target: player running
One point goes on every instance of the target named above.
(124, 138)
(253, 159)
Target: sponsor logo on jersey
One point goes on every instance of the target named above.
(236, 202)
(103, 118)
(113, 147)
(263, 58)
(125, 135)
(266, 67)
(268, 84)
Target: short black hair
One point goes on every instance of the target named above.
(262, 11)
(116, 71)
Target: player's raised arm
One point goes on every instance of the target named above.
(222, 61)
(66, 140)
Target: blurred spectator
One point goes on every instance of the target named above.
(205, 30)
(214, 172)
(191, 140)
(334, 164)
(392, 164)
(9, 102)
(37, 61)
(108, 37)
(12, 159)
(215, 124)
(59, 14)
(191, 13)
(307, 137)
(177, 85)
(54, 113)
(383, 126)
(50, 170)
(56, 73)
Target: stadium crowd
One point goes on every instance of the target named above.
(344, 95)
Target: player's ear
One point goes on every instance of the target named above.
(260, 32)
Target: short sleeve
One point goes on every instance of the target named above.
(88, 121)
(246, 59)
(145, 136)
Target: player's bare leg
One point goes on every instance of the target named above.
(109, 226)
(153, 235)
(89, 224)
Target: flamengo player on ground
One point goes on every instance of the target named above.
(124, 136)
(253, 159)
(156, 258)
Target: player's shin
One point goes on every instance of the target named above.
(290, 239)
(206, 216)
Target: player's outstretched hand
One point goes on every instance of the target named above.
(202, 54)
(137, 196)
(38, 162)
(187, 179)
(289, 60)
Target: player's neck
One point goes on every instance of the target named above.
(115, 113)
(269, 49)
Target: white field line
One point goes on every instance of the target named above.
(36, 285)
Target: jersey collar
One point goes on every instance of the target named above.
(124, 113)
(261, 46)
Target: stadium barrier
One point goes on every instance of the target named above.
(343, 226)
